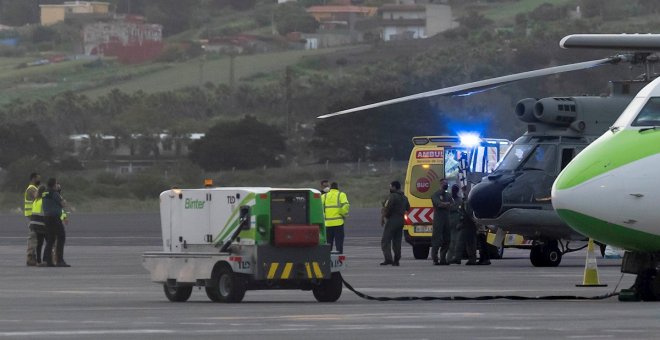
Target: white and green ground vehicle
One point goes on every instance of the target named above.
(229, 240)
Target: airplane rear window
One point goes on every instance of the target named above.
(650, 114)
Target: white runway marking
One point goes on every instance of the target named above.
(86, 332)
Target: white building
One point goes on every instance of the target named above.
(414, 21)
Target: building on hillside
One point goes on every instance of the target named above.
(340, 15)
(162, 145)
(129, 39)
(410, 20)
(337, 25)
(52, 14)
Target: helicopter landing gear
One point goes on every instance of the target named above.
(546, 254)
(647, 283)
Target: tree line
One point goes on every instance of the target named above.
(254, 114)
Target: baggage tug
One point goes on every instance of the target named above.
(230, 240)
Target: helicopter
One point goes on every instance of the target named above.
(516, 196)
(610, 191)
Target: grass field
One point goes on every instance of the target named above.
(39, 82)
(505, 12)
(193, 73)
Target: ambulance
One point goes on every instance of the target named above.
(436, 157)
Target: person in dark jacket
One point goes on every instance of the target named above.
(441, 236)
(53, 206)
(468, 231)
(454, 219)
(392, 220)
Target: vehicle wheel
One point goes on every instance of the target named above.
(227, 286)
(421, 252)
(551, 255)
(536, 256)
(329, 290)
(177, 293)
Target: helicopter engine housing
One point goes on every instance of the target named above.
(561, 111)
(525, 110)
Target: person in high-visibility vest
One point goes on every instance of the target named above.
(335, 208)
(38, 223)
(28, 199)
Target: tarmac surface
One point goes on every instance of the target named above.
(107, 294)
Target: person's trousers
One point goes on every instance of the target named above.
(55, 234)
(41, 238)
(440, 239)
(335, 235)
(454, 244)
(391, 239)
(469, 241)
(31, 245)
(50, 240)
(482, 241)
(60, 239)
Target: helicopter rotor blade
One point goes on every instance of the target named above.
(484, 85)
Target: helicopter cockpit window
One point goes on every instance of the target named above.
(514, 157)
(650, 114)
(543, 158)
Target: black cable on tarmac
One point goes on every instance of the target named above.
(477, 298)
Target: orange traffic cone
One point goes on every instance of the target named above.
(590, 278)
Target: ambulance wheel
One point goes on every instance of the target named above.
(421, 252)
(227, 285)
(177, 293)
(329, 290)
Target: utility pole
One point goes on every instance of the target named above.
(202, 59)
(287, 89)
(232, 78)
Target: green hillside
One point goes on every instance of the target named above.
(197, 72)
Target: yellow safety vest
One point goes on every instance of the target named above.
(27, 207)
(335, 207)
(37, 216)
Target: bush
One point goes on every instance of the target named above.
(18, 172)
(244, 144)
(12, 52)
(42, 34)
(109, 178)
(147, 186)
(69, 164)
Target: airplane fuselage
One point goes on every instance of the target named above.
(611, 191)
